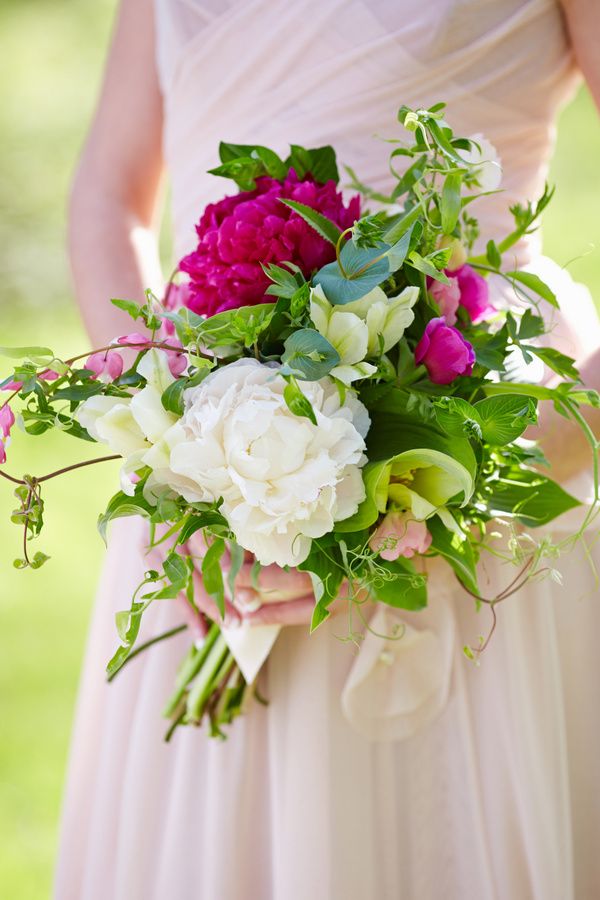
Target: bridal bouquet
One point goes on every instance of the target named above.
(325, 388)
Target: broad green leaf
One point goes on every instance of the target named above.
(326, 579)
(555, 360)
(528, 496)
(43, 353)
(320, 162)
(308, 355)
(505, 418)
(493, 255)
(175, 568)
(172, 398)
(421, 264)
(121, 505)
(341, 290)
(534, 283)
(321, 224)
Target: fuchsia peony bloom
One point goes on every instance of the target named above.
(400, 535)
(474, 293)
(7, 419)
(107, 365)
(239, 233)
(444, 352)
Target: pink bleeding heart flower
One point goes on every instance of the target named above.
(135, 339)
(48, 375)
(177, 361)
(444, 352)
(7, 419)
(447, 297)
(474, 293)
(176, 297)
(13, 386)
(400, 535)
(106, 365)
(2, 452)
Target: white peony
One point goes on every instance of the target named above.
(282, 479)
(486, 159)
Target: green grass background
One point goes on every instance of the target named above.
(49, 71)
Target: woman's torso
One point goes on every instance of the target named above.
(331, 71)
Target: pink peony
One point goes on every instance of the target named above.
(400, 535)
(447, 297)
(444, 352)
(474, 293)
(239, 233)
(106, 366)
(7, 419)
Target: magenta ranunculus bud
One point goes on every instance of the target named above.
(447, 297)
(7, 419)
(239, 233)
(106, 365)
(444, 352)
(400, 535)
(474, 293)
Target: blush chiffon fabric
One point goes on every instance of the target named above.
(403, 771)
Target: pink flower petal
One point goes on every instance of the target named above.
(7, 419)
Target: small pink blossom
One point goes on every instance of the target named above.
(474, 293)
(447, 297)
(106, 365)
(2, 452)
(48, 375)
(135, 339)
(7, 419)
(444, 352)
(400, 535)
(177, 361)
(13, 386)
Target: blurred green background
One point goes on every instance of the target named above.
(49, 73)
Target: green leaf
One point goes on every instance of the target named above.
(320, 162)
(321, 224)
(340, 290)
(423, 265)
(121, 505)
(405, 590)
(27, 353)
(132, 308)
(450, 201)
(212, 575)
(505, 418)
(456, 550)
(493, 255)
(534, 283)
(175, 568)
(297, 402)
(458, 417)
(39, 559)
(172, 397)
(555, 360)
(528, 496)
(308, 355)
(210, 519)
(326, 579)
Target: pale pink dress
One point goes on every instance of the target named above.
(424, 777)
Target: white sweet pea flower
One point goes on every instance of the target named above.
(385, 316)
(346, 332)
(110, 421)
(378, 313)
(283, 480)
(130, 426)
(489, 168)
